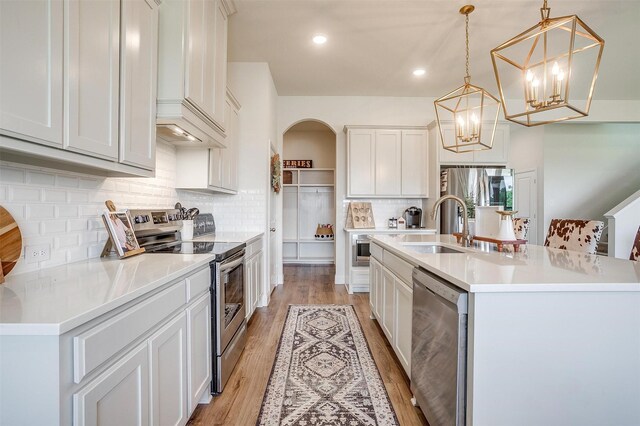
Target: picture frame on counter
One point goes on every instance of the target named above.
(121, 235)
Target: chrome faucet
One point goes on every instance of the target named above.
(466, 238)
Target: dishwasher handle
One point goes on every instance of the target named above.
(447, 292)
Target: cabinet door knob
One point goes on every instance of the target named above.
(272, 229)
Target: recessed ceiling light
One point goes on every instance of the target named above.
(418, 72)
(320, 39)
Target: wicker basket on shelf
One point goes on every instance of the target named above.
(324, 232)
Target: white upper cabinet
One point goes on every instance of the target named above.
(212, 169)
(361, 157)
(78, 83)
(223, 162)
(387, 162)
(31, 70)
(139, 36)
(414, 161)
(192, 68)
(497, 155)
(92, 58)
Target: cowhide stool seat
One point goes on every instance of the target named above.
(521, 227)
(573, 234)
(635, 250)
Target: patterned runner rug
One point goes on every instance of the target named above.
(324, 373)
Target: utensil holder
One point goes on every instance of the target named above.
(186, 233)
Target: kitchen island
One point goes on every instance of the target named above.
(553, 336)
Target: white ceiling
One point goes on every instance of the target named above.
(374, 45)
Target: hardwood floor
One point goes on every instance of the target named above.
(240, 402)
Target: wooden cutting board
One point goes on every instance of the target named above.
(10, 242)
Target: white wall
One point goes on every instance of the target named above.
(316, 145)
(623, 221)
(526, 153)
(589, 168)
(584, 169)
(338, 111)
(253, 86)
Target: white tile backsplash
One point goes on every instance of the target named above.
(63, 208)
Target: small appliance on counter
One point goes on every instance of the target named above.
(413, 217)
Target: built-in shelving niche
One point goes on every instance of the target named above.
(309, 199)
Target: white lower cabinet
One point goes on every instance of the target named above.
(199, 349)
(148, 363)
(374, 267)
(403, 310)
(388, 291)
(254, 273)
(168, 362)
(119, 396)
(391, 302)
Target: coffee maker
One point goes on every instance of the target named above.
(413, 217)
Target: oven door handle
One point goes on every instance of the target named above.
(231, 265)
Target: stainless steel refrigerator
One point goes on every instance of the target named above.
(479, 186)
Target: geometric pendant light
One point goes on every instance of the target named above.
(547, 73)
(472, 110)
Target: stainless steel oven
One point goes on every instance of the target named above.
(361, 250)
(228, 317)
(157, 231)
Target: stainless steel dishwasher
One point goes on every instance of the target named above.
(439, 349)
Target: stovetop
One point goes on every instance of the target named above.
(220, 250)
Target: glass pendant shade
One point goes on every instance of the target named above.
(547, 73)
(467, 117)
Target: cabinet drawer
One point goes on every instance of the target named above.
(376, 251)
(399, 267)
(254, 247)
(198, 283)
(95, 346)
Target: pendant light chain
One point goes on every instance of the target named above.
(467, 43)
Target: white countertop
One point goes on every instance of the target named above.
(55, 300)
(534, 269)
(385, 230)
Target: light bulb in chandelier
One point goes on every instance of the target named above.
(468, 130)
(549, 96)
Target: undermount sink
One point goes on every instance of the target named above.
(430, 249)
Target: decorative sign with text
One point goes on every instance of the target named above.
(297, 164)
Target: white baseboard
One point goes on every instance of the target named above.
(358, 288)
(206, 397)
(339, 279)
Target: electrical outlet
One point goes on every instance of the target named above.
(34, 254)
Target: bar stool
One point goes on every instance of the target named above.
(574, 234)
(635, 250)
(521, 227)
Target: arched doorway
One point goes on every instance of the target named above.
(308, 211)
